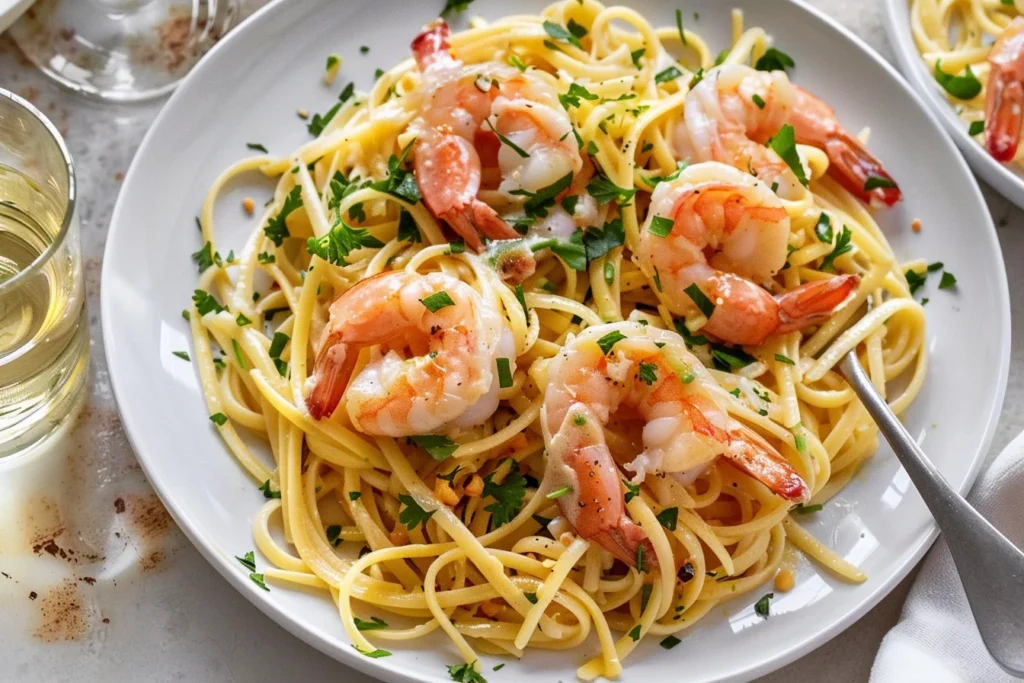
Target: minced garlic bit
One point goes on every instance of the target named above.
(444, 493)
(490, 608)
(784, 580)
(249, 205)
(915, 225)
(331, 72)
(475, 486)
(399, 535)
(303, 113)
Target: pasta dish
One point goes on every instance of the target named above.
(541, 334)
(976, 51)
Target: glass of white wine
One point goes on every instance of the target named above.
(44, 339)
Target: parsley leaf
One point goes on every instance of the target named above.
(439, 446)
(465, 673)
(277, 229)
(571, 97)
(219, 419)
(504, 373)
(268, 492)
(341, 240)
(538, 203)
(948, 280)
(874, 182)
(669, 74)
(375, 625)
(573, 252)
(914, 280)
(561, 33)
(205, 303)
(257, 146)
(784, 359)
(600, 241)
(604, 190)
(842, 246)
(320, 121)
(508, 495)
(632, 490)
(976, 128)
(670, 642)
(455, 6)
(375, 654)
(965, 87)
(823, 228)
(182, 355)
(634, 633)
(784, 144)
(609, 340)
(635, 55)
(436, 301)
(648, 372)
(407, 229)
(258, 580)
(668, 518)
(660, 226)
(413, 514)
(761, 607)
(679, 26)
(248, 560)
(701, 300)
(774, 60)
(205, 257)
(805, 509)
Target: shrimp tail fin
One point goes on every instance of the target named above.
(330, 375)
(752, 455)
(814, 302)
(624, 542)
(1004, 112)
(853, 167)
(475, 218)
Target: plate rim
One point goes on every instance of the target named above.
(383, 668)
(1006, 182)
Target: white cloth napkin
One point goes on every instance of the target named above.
(936, 639)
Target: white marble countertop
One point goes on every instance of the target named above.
(97, 582)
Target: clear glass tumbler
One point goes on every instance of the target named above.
(44, 336)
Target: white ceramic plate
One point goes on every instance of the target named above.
(248, 90)
(1006, 180)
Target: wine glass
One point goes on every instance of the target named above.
(124, 50)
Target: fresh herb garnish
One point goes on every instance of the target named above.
(219, 419)
(320, 121)
(277, 229)
(354, 495)
(635, 55)
(375, 625)
(413, 514)
(976, 128)
(571, 97)
(508, 143)
(758, 100)
(701, 300)
(784, 359)
(948, 280)
(634, 633)
(206, 257)
(333, 533)
(181, 354)
(521, 298)
(632, 490)
(558, 493)
(439, 446)
(873, 182)
(378, 653)
(965, 87)
(561, 34)
(805, 509)
(436, 301)
(609, 340)
(248, 560)
(268, 492)
(340, 241)
(258, 580)
(842, 246)
(784, 144)
(670, 642)
(914, 280)
(407, 230)
(774, 60)
(604, 190)
(661, 226)
(679, 26)
(648, 372)
(257, 146)
(504, 373)
(823, 228)
(508, 495)
(669, 74)
(465, 673)
(668, 518)
(761, 607)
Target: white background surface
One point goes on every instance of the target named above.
(171, 617)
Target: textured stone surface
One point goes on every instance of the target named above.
(91, 559)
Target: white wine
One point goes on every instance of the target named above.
(43, 336)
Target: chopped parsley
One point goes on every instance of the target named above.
(661, 226)
(374, 654)
(504, 373)
(679, 27)
(364, 49)
(465, 673)
(242, 321)
(412, 515)
(407, 230)
(668, 518)
(842, 246)
(248, 560)
(206, 257)
(784, 144)
(516, 62)
(532, 597)
(761, 607)
(609, 272)
(823, 228)
(948, 280)
(701, 300)
(648, 372)
(976, 128)
(915, 280)
(277, 345)
(604, 190)
(609, 340)
(268, 492)
(538, 203)
(439, 446)
(521, 298)
(257, 146)
(320, 121)
(784, 359)
(632, 490)
(635, 55)
(375, 625)
(181, 354)
(569, 204)
(571, 97)
(730, 358)
(258, 580)
(669, 74)
(333, 533)
(561, 34)
(266, 257)
(276, 229)
(508, 495)
(436, 301)
(805, 509)
(640, 568)
(670, 642)
(634, 633)
(774, 60)
(654, 180)
(219, 419)
(599, 241)
(965, 87)
(354, 495)
(508, 143)
(758, 100)
(340, 241)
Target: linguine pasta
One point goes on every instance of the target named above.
(460, 533)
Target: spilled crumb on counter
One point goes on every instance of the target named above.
(915, 225)
(63, 617)
(147, 517)
(119, 505)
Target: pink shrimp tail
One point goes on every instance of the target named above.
(1004, 112)
(814, 302)
(850, 164)
(431, 44)
(752, 455)
(623, 542)
(330, 375)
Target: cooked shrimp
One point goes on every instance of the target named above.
(453, 385)
(1005, 97)
(650, 372)
(731, 114)
(729, 233)
(458, 138)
